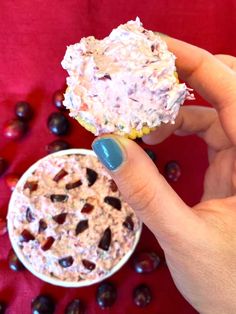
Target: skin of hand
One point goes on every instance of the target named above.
(199, 242)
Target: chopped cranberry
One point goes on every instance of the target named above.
(47, 244)
(81, 226)
(128, 223)
(113, 201)
(73, 185)
(60, 219)
(14, 262)
(66, 261)
(105, 240)
(113, 186)
(87, 208)
(58, 198)
(61, 174)
(105, 77)
(146, 262)
(89, 265)
(26, 236)
(91, 176)
(31, 185)
(42, 225)
(29, 215)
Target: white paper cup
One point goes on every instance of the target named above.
(28, 265)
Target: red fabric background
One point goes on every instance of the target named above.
(33, 39)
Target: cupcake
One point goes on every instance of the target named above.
(68, 222)
(124, 84)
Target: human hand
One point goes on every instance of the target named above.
(200, 242)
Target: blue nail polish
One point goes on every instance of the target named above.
(109, 152)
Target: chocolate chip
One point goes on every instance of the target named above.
(29, 215)
(113, 201)
(60, 219)
(66, 261)
(87, 208)
(105, 240)
(89, 265)
(81, 226)
(91, 176)
(58, 198)
(26, 236)
(47, 244)
(42, 225)
(152, 48)
(113, 186)
(105, 77)
(128, 223)
(31, 185)
(61, 174)
(73, 185)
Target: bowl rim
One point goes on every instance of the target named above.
(18, 251)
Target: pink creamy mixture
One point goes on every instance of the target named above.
(63, 185)
(124, 81)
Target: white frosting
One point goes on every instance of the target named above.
(124, 81)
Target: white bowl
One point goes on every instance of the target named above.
(25, 262)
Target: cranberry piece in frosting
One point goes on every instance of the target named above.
(81, 226)
(42, 225)
(73, 185)
(88, 264)
(105, 240)
(58, 198)
(113, 201)
(31, 185)
(128, 223)
(47, 244)
(66, 261)
(113, 186)
(60, 219)
(61, 174)
(26, 236)
(91, 176)
(87, 208)
(29, 215)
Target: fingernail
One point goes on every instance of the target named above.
(109, 152)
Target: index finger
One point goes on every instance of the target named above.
(212, 79)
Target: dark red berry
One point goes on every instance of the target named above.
(89, 265)
(24, 110)
(15, 129)
(56, 146)
(113, 186)
(73, 185)
(106, 295)
(58, 123)
(43, 304)
(81, 226)
(172, 171)
(61, 174)
(47, 244)
(31, 185)
(87, 208)
(26, 236)
(3, 165)
(75, 307)
(60, 219)
(2, 307)
(105, 240)
(57, 99)
(151, 154)
(29, 215)
(11, 180)
(91, 176)
(3, 226)
(42, 225)
(66, 261)
(105, 77)
(146, 262)
(14, 262)
(58, 198)
(142, 295)
(113, 201)
(128, 223)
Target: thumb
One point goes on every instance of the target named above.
(145, 189)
